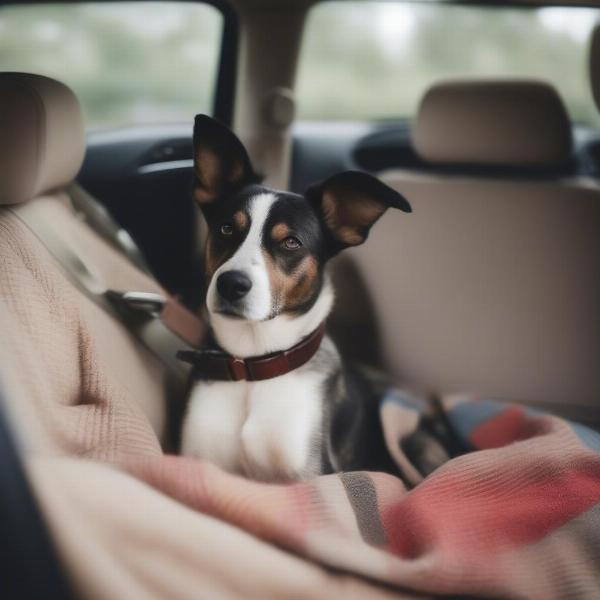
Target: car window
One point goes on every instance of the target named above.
(374, 60)
(128, 62)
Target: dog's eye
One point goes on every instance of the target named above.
(226, 229)
(291, 243)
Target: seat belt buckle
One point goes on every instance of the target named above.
(146, 302)
(174, 316)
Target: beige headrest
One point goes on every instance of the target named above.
(511, 123)
(42, 137)
(595, 65)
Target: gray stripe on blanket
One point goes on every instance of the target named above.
(586, 528)
(363, 498)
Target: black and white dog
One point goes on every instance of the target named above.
(269, 292)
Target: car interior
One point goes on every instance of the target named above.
(490, 288)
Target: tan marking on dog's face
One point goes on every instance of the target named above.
(240, 220)
(348, 218)
(289, 291)
(280, 232)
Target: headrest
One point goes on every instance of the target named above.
(42, 137)
(595, 65)
(509, 123)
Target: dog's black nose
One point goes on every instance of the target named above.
(233, 285)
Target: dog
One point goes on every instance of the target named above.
(271, 398)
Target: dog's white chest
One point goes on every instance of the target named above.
(269, 430)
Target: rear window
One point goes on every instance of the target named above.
(374, 60)
(128, 62)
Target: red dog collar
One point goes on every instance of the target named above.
(219, 366)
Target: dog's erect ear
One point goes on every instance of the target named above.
(349, 203)
(221, 163)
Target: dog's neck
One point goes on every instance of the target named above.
(256, 338)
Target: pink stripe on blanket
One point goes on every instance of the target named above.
(477, 506)
(509, 426)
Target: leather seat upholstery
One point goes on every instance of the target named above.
(511, 124)
(42, 136)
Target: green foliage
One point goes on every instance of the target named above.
(142, 62)
(352, 66)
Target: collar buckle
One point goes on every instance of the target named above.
(238, 369)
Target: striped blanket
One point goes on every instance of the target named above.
(494, 500)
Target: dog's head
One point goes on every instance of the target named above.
(266, 249)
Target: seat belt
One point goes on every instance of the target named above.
(162, 324)
(100, 220)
